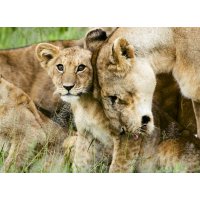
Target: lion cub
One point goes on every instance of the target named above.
(23, 129)
(72, 73)
(21, 67)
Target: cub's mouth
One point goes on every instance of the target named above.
(72, 95)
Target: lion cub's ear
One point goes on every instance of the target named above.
(122, 55)
(94, 39)
(45, 52)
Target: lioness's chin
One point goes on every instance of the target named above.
(70, 98)
(146, 130)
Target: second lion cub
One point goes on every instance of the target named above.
(24, 131)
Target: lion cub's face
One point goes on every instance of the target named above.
(70, 69)
(126, 87)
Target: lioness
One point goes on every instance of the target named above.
(124, 90)
(21, 67)
(24, 131)
(161, 50)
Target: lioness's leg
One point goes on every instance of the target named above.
(89, 155)
(196, 106)
(125, 154)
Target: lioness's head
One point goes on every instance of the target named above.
(126, 84)
(70, 69)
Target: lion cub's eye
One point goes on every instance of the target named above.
(81, 68)
(60, 67)
(113, 99)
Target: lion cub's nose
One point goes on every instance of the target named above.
(68, 87)
(145, 119)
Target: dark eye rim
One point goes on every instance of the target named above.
(113, 99)
(60, 67)
(81, 67)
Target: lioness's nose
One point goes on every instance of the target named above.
(68, 87)
(145, 119)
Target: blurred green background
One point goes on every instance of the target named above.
(13, 37)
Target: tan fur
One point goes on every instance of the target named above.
(94, 137)
(23, 129)
(21, 67)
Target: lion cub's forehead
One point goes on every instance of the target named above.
(74, 56)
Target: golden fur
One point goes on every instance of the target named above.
(24, 131)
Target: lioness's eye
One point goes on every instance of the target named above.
(81, 68)
(113, 99)
(60, 67)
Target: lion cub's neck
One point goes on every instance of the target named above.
(90, 118)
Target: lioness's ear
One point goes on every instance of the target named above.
(122, 55)
(121, 49)
(45, 52)
(95, 38)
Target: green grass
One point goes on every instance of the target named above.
(19, 37)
